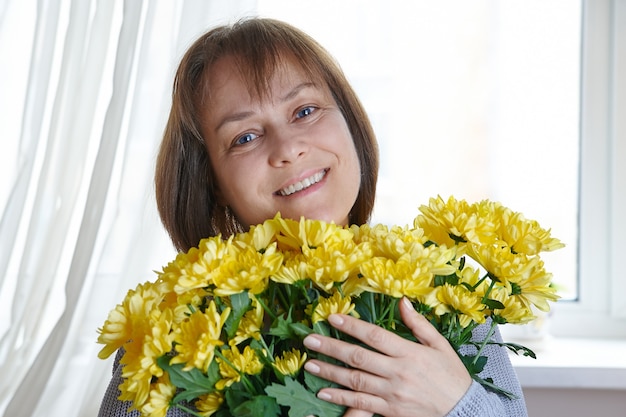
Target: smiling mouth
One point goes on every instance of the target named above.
(302, 185)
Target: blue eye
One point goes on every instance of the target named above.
(246, 138)
(305, 112)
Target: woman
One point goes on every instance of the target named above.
(264, 121)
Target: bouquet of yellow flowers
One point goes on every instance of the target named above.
(219, 332)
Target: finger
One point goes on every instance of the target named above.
(421, 328)
(354, 379)
(358, 403)
(372, 335)
(348, 353)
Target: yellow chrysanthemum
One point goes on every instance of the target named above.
(514, 311)
(471, 276)
(140, 357)
(126, 321)
(128, 392)
(246, 362)
(535, 290)
(116, 331)
(309, 233)
(390, 243)
(197, 338)
(246, 270)
(250, 325)
(458, 299)
(294, 269)
(354, 285)
(208, 404)
(259, 236)
(523, 276)
(290, 363)
(334, 262)
(161, 393)
(397, 279)
(523, 235)
(439, 260)
(446, 223)
(335, 304)
(184, 304)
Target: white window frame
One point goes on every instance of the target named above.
(600, 310)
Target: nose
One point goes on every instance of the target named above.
(286, 147)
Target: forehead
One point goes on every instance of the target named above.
(258, 78)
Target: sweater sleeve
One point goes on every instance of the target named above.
(479, 401)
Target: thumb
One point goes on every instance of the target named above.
(421, 328)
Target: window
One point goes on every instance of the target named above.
(479, 100)
(601, 307)
(490, 100)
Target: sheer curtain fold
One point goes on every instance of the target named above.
(56, 198)
(32, 120)
(80, 226)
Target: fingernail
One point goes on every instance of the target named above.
(407, 303)
(335, 320)
(312, 342)
(312, 368)
(323, 396)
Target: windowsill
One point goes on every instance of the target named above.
(573, 363)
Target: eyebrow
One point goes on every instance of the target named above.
(296, 90)
(235, 117)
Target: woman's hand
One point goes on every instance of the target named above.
(400, 378)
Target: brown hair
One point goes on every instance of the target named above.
(185, 184)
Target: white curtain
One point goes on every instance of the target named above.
(85, 93)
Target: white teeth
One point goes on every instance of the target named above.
(305, 183)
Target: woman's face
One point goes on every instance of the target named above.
(290, 152)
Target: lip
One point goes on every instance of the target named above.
(303, 183)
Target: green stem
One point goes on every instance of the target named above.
(480, 281)
(486, 296)
(393, 302)
(372, 307)
(266, 308)
(490, 333)
(283, 299)
(188, 410)
(267, 349)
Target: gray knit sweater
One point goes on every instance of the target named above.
(477, 402)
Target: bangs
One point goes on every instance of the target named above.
(260, 49)
(257, 71)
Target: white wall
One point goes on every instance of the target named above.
(549, 402)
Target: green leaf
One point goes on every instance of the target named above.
(516, 348)
(321, 327)
(474, 365)
(236, 395)
(240, 304)
(302, 402)
(315, 383)
(259, 406)
(451, 279)
(488, 383)
(193, 382)
(260, 348)
(280, 327)
(493, 304)
(300, 330)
